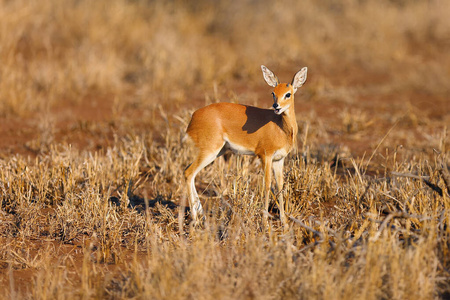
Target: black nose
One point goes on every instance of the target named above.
(275, 105)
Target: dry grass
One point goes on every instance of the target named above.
(373, 238)
(91, 210)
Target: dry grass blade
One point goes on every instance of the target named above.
(410, 175)
(303, 225)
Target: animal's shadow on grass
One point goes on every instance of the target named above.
(140, 204)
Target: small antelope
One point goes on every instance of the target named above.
(269, 134)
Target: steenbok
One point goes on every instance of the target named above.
(269, 134)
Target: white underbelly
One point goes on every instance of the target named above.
(279, 154)
(238, 149)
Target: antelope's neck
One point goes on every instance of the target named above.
(290, 124)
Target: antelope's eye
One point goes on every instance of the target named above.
(288, 95)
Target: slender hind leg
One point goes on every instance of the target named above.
(203, 159)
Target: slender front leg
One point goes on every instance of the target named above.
(279, 178)
(267, 162)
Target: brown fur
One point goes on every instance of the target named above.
(219, 127)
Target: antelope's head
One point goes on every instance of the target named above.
(283, 93)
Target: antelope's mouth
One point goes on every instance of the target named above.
(280, 109)
(276, 109)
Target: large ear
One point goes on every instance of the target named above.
(269, 77)
(299, 78)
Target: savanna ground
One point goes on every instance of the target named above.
(95, 97)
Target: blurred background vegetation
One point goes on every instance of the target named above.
(53, 51)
